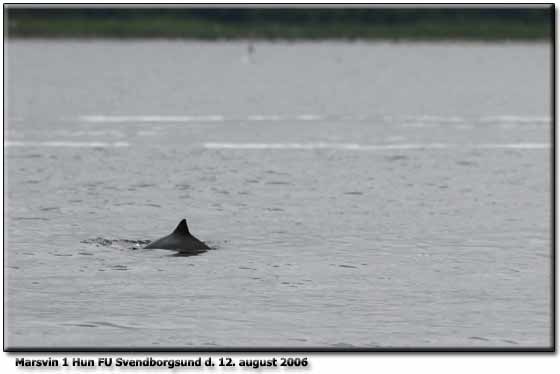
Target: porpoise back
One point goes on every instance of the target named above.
(179, 240)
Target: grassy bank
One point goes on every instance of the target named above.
(279, 24)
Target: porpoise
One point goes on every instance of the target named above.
(179, 240)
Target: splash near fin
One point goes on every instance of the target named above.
(182, 228)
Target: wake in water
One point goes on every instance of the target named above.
(65, 144)
(372, 147)
(163, 118)
(120, 243)
(127, 244)
(297, 146)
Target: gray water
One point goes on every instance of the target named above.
(354, 194)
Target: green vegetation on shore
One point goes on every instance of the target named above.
(281, 23)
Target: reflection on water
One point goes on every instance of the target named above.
(189, 253)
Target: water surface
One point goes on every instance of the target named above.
(355, 194)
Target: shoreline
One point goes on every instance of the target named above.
(209, 31)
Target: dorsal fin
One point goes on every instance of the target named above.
(182, 228)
